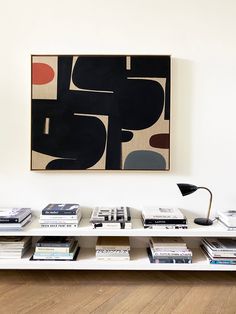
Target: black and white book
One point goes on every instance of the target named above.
(16, 226)
(55, 241)
(113, 243)
(61, 209)
(228, 228)
(165, 226)
(220, 244)
(169, 259)
(168, 242)
(228, 217)
(167, 252)
(58, 226)
(13, 215)
(162, 213)
(111, 214)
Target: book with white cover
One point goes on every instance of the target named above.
(162, 213)
(228, 217)
(160, 242)
(112, 243)
(220, 244)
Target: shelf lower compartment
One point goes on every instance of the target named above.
(86, 260)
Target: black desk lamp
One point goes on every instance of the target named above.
(187, 189)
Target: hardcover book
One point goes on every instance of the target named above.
(13, 215)
(220, 244)
(113, 243)
(228, 217)
(154, 214)
(55, 241)
(61, 209)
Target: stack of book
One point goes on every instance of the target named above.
(163, 218)
(14, 218)
(220, 250)
(169, 250)
(60, 216)
(56, 248)
(111, 218)
(113, 249)
(228, 219)
(14, 247)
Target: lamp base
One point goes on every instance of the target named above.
(203, 221)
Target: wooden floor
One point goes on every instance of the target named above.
(117, 292)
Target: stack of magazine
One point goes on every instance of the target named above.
(56, 248)
(111, 218)
(113, 249)
(169, 250)
(220, 250)
(163, 218)
(14, 247)
(14, 218)
(228, 219)
(61, 216)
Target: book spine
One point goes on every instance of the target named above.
(59, 212)
(66, 245)
(9, 220)
(164, 221)
(59, 225)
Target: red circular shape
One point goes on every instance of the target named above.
(42, 73)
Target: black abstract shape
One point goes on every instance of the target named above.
(75, 137)
(140, 103)
(154, 66)
(99, 73)
(126, 136)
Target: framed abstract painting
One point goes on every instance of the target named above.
(103, 112)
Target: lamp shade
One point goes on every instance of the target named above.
(187, 189)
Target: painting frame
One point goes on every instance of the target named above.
(125, 83)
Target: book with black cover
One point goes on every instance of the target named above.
(57, 241)
(168, 260)
(61, 209)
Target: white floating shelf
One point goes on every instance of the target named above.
(86, 229)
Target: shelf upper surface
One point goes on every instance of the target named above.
(85, 229)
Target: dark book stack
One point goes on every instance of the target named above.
(111, 218)
(220, 250)
(169, 250)
(163, 218)
(113, 249)
(14, 218)
(14, 247)
(56, 248)
(228, 219)
(60, 216)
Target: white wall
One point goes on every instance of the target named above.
(200, 36)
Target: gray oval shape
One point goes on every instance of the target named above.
(144, 160)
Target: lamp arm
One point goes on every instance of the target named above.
(209, 208)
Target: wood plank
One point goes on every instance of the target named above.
(117, 292)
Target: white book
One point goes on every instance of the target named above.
(112, 258)
(228, 217)
(162, 213)
(170, 242)
(168, 252)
